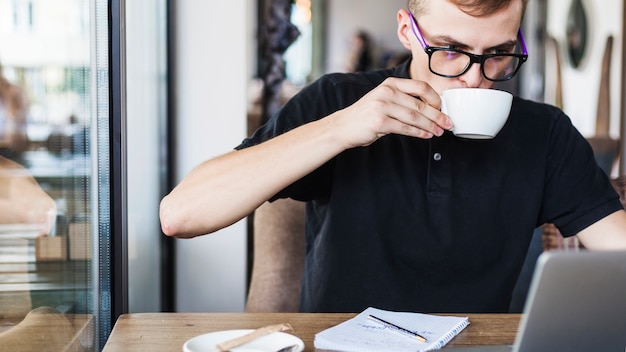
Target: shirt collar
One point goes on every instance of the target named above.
(402, 70)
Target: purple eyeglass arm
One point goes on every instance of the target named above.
(416, 31)
(522, 41)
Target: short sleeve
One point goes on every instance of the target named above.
(577, 192)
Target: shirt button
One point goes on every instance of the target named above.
(437, 156)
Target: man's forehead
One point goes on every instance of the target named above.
(473, 8)
(449, 14)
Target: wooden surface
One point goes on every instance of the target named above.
(169, 331)
(48, 332)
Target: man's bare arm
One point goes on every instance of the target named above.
(224, 190)
(608, 233)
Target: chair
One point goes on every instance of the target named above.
(277, 233)
(278, 257)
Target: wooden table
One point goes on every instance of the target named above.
(48, 332)
(169, 331)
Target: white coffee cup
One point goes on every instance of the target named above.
(477, 113)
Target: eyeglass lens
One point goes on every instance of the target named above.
(452, 63)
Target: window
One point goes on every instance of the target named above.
(58, 168)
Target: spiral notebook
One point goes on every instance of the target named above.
(362, 333)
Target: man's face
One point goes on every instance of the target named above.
(444, 25)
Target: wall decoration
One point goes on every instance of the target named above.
(576, 33)
(276, 34)
(592, 62)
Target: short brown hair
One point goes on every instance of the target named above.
(471, 7)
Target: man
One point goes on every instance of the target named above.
(401, 214)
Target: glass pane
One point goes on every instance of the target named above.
(53, 100)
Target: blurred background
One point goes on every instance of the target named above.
(121, 99)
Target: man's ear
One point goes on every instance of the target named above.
(404, 28)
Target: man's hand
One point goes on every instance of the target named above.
(400, 106)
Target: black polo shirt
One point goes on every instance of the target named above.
(437, 225)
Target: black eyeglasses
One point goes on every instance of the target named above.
(450, 62)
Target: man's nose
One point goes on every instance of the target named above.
(473, 77)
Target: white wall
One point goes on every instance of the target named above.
(580, 86)
(146, 85)
(212, 56)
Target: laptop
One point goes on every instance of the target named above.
(576, 302)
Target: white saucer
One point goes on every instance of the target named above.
(268, 343)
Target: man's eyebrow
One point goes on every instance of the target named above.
(449, 41)
(506, 45)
